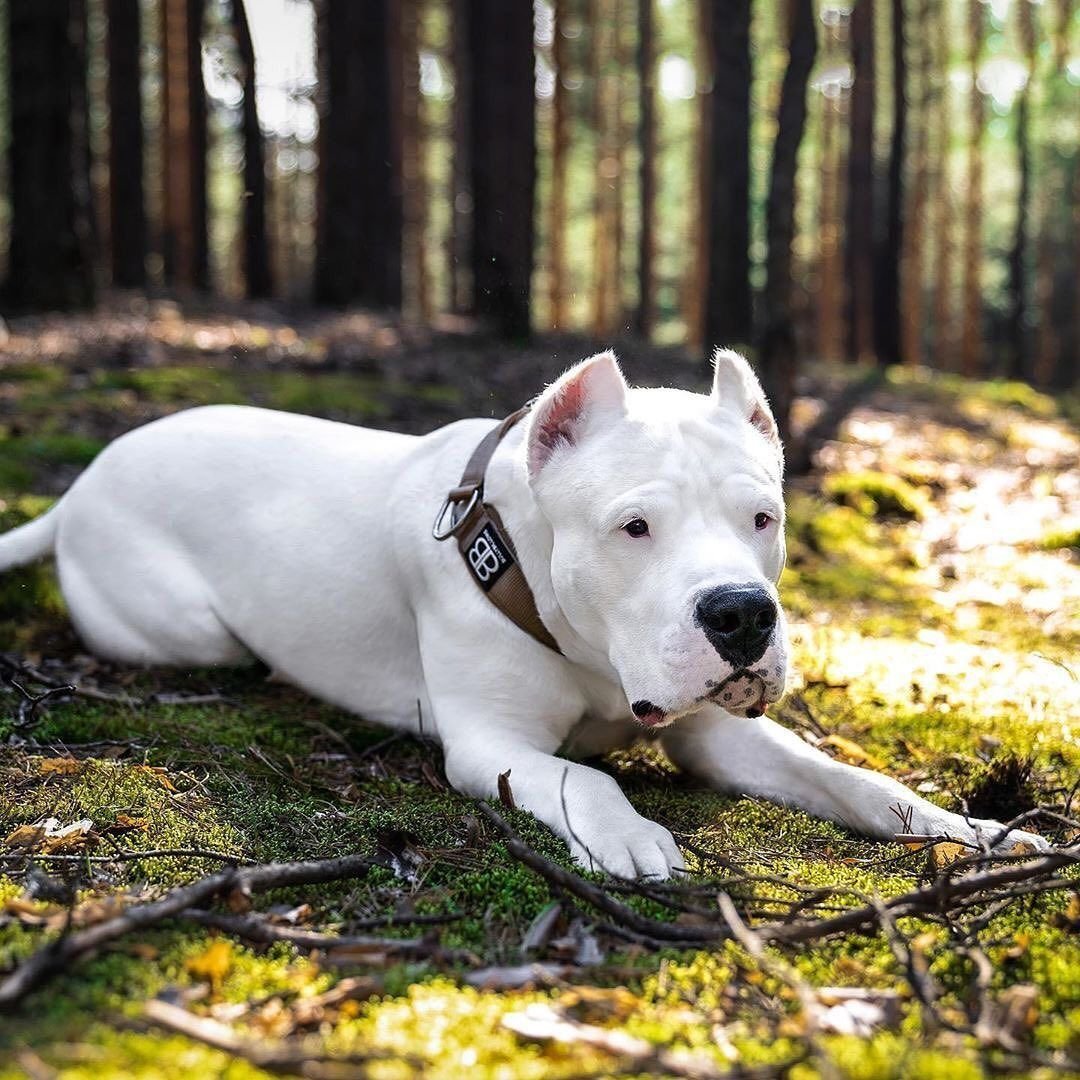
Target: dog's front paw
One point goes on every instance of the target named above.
(1015, 842)
(980, 833)
(635, 848)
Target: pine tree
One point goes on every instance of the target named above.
(50, 259)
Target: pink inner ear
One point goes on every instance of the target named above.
(557, 424)
(762, 421)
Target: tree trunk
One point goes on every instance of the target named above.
(728, 316)
(887, 284)
(859, 233)
(971, 333)
(413, 179)
(50, 260)
(1019, 366)
(830, 306)
(604, 27)
(913, 296)
(359, 230)
(560, 144)
(185, 240)
(778, 355)
(258, 276)
(127, 206)
(944, 324)
(646, 65)
(461, 290)
(503, 152)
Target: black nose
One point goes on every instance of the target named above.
(738, 620)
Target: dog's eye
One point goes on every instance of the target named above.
(637, 527)
(761, 521)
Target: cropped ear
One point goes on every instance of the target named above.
(560, 414)
(735, 386)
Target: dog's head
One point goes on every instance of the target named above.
(668, 521)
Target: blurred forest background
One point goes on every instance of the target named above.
(894, 180)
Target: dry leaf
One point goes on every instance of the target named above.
(125, 823)
(61, 766)
(32, 912)
(50, 837)
(506, 794)
(1020, 946)
(946, 852)
(25, 838)
(239, 900)
(66, 839)
(158, 773)
(519, 976)
(852, 751)
(596, 1005)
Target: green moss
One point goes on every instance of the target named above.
(32, 610)
(181, 385)
(1060, 539)
(50, 450)
(876, 494)
(333, 394)
(888, 667)
(999, 393)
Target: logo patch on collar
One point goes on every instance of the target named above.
(488, 557)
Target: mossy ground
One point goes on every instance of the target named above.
(934, 628)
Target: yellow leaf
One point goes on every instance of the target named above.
(60, 766)
(852, 751)
(213, 964)
(158, 773)
(946, 853)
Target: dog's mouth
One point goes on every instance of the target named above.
(743, 693)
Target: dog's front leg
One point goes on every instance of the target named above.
(583, 806)
(759, 757)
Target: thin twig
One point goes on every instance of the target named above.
(260, 930)
(303, 1057)
(60, 954)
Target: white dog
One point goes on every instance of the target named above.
(648, 524)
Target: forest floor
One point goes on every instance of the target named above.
(934, 589)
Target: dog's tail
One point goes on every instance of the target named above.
(28, 542)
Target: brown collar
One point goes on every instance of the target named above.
(484, 542)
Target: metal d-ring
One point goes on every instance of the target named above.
(436, 531)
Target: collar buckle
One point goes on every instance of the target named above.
(459, 516)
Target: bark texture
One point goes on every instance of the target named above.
(360, 215)
(778, 355)
(887, 331)
(859, 231)
(503, 157)
(185, 240)
(971, 330)
(127, 203)
(646, 66)
(50, 260)
(728, 315)
(258, 275)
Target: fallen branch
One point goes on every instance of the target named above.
(260, 930)
(298, 1057)
(946, 893)
(129, 855)
(238, 883)
(597, 897)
